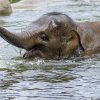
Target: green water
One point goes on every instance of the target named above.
(75, 79)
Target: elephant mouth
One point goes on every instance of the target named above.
(42, 51)
(34, 51)
(38, 47)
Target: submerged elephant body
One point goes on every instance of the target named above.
(56, 36)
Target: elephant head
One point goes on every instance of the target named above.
(53, 40)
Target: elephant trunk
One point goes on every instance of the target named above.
(12, 38)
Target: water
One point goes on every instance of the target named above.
(76, 79)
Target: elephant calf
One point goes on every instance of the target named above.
(56, 36)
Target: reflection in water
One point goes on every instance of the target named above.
(76, 79)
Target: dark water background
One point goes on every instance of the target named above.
(76, 79)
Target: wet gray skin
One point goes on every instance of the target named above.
(46, 37)
(75, 79)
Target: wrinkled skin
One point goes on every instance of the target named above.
(56, 36)
(89, 33)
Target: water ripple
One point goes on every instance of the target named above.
(74, 79)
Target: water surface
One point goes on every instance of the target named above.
(75, 79)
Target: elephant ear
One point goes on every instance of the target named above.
(80, 44)
(72, 34)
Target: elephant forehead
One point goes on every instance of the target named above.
(36, 28)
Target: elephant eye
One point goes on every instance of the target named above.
(44, 37)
